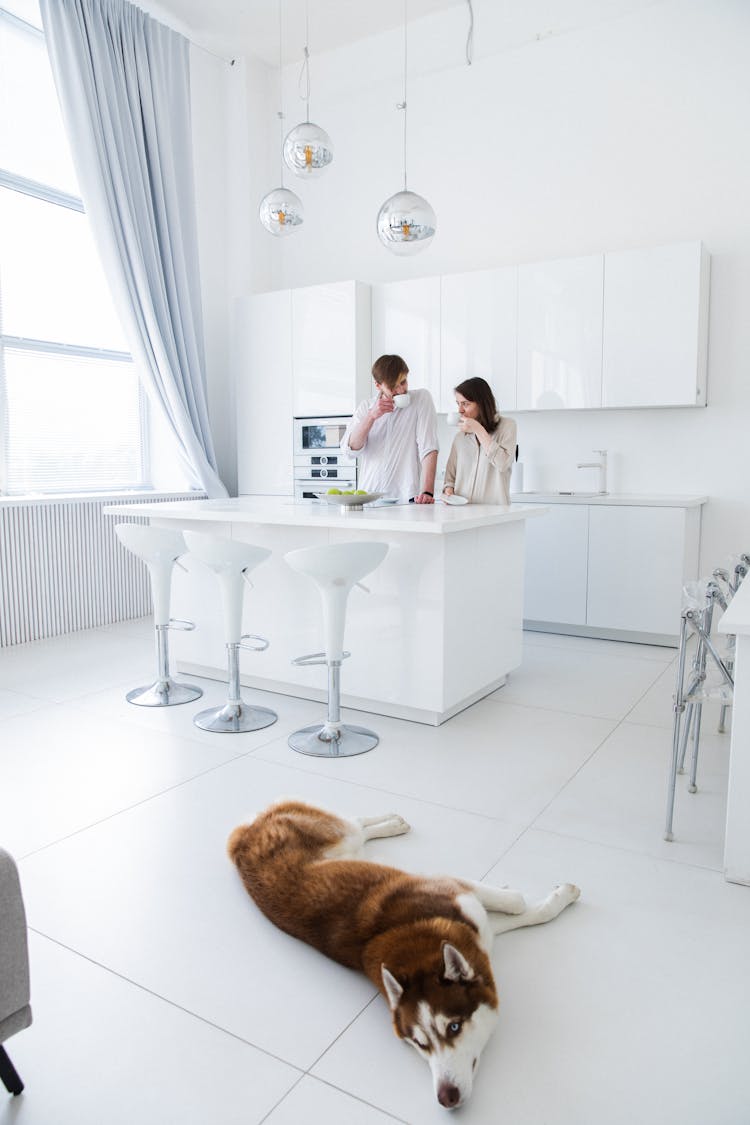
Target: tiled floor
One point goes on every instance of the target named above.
(162, 996)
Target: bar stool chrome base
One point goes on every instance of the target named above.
(320, 741)
(235, 718)
(163, 693)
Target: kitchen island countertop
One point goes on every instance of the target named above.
(427, 519)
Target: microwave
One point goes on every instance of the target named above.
(319, 435)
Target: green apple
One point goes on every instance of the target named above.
(334, 492)
(361, 492)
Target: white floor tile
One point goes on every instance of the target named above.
(100, 1050)
(316, 1103)
(619, 798)
(664, 654)
(63, 770)
(62, 668)
(581, 683)
(14, 703)
(498, 761)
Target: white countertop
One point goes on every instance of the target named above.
(632, 499)
(737, 616)
(432, 519)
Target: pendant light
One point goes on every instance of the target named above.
(406, 223)
(307, 148)
(281, 211)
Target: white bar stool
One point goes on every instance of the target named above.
(231, 561)
(159, 548)
(334, 568)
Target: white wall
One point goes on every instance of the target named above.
(629, 133)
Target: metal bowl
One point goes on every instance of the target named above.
(352, 503)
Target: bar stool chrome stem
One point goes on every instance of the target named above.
(159, 548)
(231, 561)
(335, 568)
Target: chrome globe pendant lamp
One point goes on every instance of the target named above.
(406, 222)
(281, 211)
(307, 148)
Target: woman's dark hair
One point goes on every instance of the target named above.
(478, 391)
(389, 370)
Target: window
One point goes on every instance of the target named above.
(73, 415)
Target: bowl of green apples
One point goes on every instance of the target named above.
(350, 499)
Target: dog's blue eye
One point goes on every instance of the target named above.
(454, 1027)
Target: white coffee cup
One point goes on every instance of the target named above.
(453, 418)
(400, 401)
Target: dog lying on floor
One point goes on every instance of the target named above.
(423, 942)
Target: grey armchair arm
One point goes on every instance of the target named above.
(15, 1012)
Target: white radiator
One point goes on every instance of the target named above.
(62, 568)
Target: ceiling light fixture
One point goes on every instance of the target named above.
(281, 211)
(406, 223)
(307, 148)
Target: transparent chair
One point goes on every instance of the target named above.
(710, 679)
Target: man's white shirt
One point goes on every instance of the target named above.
(391, 458)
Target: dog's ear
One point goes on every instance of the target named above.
(393, 989)
(455, 965)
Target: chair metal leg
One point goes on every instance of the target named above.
(235, 716)
(9, 1074)
(692, 788)
(679, 707)
(164, 691)
(333, 739)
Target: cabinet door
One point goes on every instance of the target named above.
(330, 348)
(655, 327)
(263, 369)
(478, 333)
(406, 322)
(556, 548)
(636, 568)
(560, 334)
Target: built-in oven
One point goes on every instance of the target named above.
(319, 463)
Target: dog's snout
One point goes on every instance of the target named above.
(449, 1095)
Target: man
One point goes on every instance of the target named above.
(395, 444)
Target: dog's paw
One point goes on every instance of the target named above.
(568, 891)
(396, 824)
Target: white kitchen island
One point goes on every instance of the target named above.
(440, 627)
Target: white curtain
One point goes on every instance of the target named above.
(123, 81)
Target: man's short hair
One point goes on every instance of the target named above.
(389, 370)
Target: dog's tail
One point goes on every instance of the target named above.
(236, 841)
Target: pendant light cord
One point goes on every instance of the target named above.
(406, 62)
(303, 82)
(470, 36)
(281, 97)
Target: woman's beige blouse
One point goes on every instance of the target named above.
(482, 474)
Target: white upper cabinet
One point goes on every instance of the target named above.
(560, 334)
(263, 373)
(478, 333)
(330, 348)
(406, 322)
(656, 326)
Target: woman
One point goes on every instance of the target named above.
(483, 451)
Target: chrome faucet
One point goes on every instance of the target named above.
(601, 465)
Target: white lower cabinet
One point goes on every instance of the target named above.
(556, 549)
(612, 570)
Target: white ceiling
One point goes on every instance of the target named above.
(234, 27)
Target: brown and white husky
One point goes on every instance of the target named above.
(424, 942)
